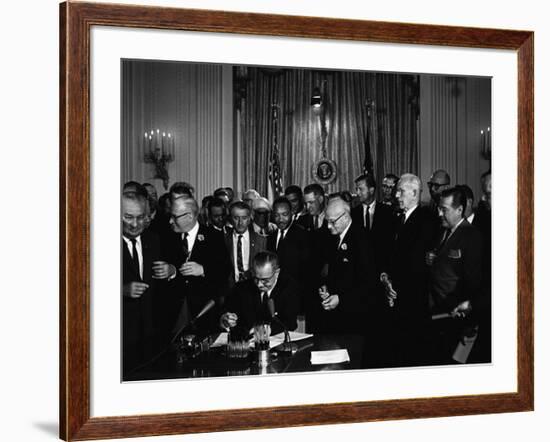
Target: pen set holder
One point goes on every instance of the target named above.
(261, 346)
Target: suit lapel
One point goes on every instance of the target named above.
(146, 255)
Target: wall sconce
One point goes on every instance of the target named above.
(159, 150)
(486, 144)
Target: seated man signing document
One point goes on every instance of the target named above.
(270, 293)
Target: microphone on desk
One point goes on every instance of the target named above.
(288, 346)
(207, 307)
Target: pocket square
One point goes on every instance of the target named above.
(455, 253)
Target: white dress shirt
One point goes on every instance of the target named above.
(191, 237)
(369, 208)
(139, 252)
(246, 251)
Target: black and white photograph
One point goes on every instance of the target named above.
(279, 219)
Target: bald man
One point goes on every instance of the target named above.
(438, 182)
(347, 299)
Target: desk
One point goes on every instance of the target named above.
(214, 363)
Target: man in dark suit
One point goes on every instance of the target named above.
(202, 265)
(295, 195)
(348, 300)
(217, 217)
(377, 219)
(315, 223)
(405, 278)
(249, 302)
(292, 244)
(140, 249)
(455, 276)
(243, 244)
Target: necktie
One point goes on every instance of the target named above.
(185, 246)
(445, 238)
(240, 267)
(265, 309)
(367, 219)
(280, 238)
(135, 258)
(315, 221)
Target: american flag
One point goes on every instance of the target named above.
(274, 181)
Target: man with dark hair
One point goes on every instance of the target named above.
(223, 194)
(376, 219)
(388, 190)
(481, 219)
(217, 216)
(181, 189)
(243, 244)
(230, 194)
(314, 200)
(134, 187)
(202, 264)
(141, 265)
(291, 242)
(455, 275)
(249, 302)
(294, 194)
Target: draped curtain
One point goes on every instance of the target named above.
(392, 126)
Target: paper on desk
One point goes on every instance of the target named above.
(280, 338)
(329, 356)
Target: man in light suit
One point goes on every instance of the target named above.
(455, 275)
(243, 243)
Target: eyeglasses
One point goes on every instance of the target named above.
(334, 221)
(176, 217)
(264, 280)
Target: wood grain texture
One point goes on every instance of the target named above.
(76, 20)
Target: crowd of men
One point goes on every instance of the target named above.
(414, 279)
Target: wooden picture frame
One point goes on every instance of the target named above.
(76, 20)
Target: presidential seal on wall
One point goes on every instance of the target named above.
(324, 171)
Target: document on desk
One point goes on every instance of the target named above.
(329, 357)
(278, 339)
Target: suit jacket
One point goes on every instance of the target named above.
(257, 245)
(351, 277)
(407, 266)
(210, 252)
(137, 313)
(245, 301)
(381, 233)
(294, 252)
(320, 244)
(456, 273)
